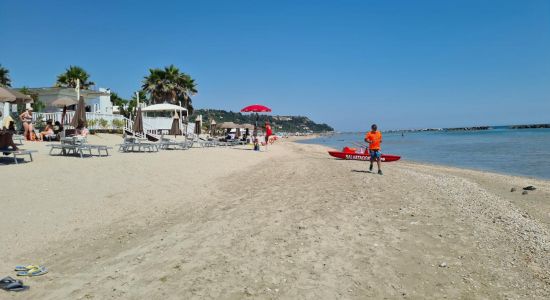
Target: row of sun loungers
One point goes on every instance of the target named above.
(216, 143)
(79, 146)
(132, 144)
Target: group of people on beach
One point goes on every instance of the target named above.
(268, 134)
(28, 127)
(7, 130)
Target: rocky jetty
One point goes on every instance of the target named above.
(468, 128)
(530, 126)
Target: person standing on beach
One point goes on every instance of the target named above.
(374, 138)
(268, 133)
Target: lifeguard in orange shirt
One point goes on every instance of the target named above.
(374, 138)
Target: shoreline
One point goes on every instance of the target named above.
(435, 165)
(478, 167)
(287, 223)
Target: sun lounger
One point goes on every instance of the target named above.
(166, 144)
(232, 143)
(137, 145)
(16, 153)
(68, 149)
(189, 144)
(100, 148)
(77, 146)
(19, 138)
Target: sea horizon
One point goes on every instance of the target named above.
(420, 129)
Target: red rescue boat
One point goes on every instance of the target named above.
(351, 154)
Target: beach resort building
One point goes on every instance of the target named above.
(97, 101)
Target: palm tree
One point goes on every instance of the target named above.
(170, 84)
(68, 79)
(4, 77)
(155, 85)
(189, 88)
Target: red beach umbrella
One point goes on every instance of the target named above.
(256, 108)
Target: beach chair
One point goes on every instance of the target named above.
(101, 148)
(19, 138)
(166, 144)
(206, 143)
(189, 144)
(77, 146)
(16, 153)
(130, 144)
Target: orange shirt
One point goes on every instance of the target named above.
(376, 138)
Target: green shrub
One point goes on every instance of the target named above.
(103, 123)
(118, 124)
(92, 123)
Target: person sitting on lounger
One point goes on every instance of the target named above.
(6, 140)
(82, 131)
(48, 131)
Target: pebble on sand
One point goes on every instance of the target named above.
(524, 193)
(513, 190)
(443, 265)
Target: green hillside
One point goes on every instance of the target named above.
(289, 124)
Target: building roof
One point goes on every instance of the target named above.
(163, 107)
(67, 92)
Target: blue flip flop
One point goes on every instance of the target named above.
(40, 270)
(20, 268)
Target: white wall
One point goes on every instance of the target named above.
(101, 104)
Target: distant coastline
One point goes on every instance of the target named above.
(529, 126)
(473, 128)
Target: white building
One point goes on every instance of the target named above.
(101, 104)
(98, 101)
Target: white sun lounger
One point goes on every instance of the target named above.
(16, 153)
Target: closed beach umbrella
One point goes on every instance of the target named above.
(175, 128)
(138, 121)
(212, 127)
(63, 115)
(198, 124)
(79, 119)
(238, 132)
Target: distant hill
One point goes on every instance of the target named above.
(289, 124)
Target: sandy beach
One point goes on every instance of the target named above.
(289, 223)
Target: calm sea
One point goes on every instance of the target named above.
(523, 152)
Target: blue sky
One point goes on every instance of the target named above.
(401, 64)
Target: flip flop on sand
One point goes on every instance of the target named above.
(12, 285)
(25, 268)
(40, 270)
